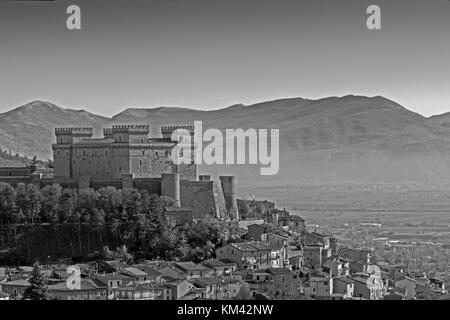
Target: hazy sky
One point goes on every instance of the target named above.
(213, 53)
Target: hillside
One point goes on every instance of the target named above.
(335, 139)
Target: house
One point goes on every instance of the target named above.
(15, 288)
(344, 285)
(395, 294)
(359, 259)
(316, 255)
(256, 231)
(408, 284)
(170, 273)
(261, 275)
(296, 259)
(270, 255)
(113, 280)
(298, 224)
(90, 289)
(4, 296)
(167, 291)
(368, 287)
(285, 282)
(138, 276)
(153, 276)
(337, 268)
(220, 268)
(217, 288)
(110, 266)
(315, 238)
(319, 288)
(292, 222)
(243, 254)
(274, 281)
(179, 288)
(138, 291)
(197, 292)
(277, 239)
(193, 270)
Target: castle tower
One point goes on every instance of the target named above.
(170, 187)
(229, 192)
(167, 131)
(137, 133)
(187, 171)
(62, 149)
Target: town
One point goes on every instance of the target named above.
(275, 257)
(114, 219)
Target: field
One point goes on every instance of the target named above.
(341, 203)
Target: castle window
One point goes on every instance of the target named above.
(143, 153)
(140, 163)
(58, 152)
(84, 153)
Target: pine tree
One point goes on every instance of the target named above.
(38, 285)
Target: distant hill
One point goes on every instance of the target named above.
(335, 139)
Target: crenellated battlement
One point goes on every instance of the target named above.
(131, 128)
(74, 130)
(173, 128)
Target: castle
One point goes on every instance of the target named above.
(127, 157)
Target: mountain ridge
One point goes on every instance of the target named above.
(353, 137)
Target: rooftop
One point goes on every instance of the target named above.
(134, 272)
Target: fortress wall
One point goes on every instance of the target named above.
(205, 198)
(14, 172)
(152, 185)
(219, 197)
(63, 182)
(98, 184)
(229, 191)
(170, 187)
(15, 180)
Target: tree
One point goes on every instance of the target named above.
(7, 202)
(38, 285)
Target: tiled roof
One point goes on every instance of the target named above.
(189, 266)
(20, 282)
(134, 271)
(279, 270)
(214, 263)
(86, 284)
(149, 270)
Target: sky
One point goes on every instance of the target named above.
(209, 54)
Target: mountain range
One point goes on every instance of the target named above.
(335, 139)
